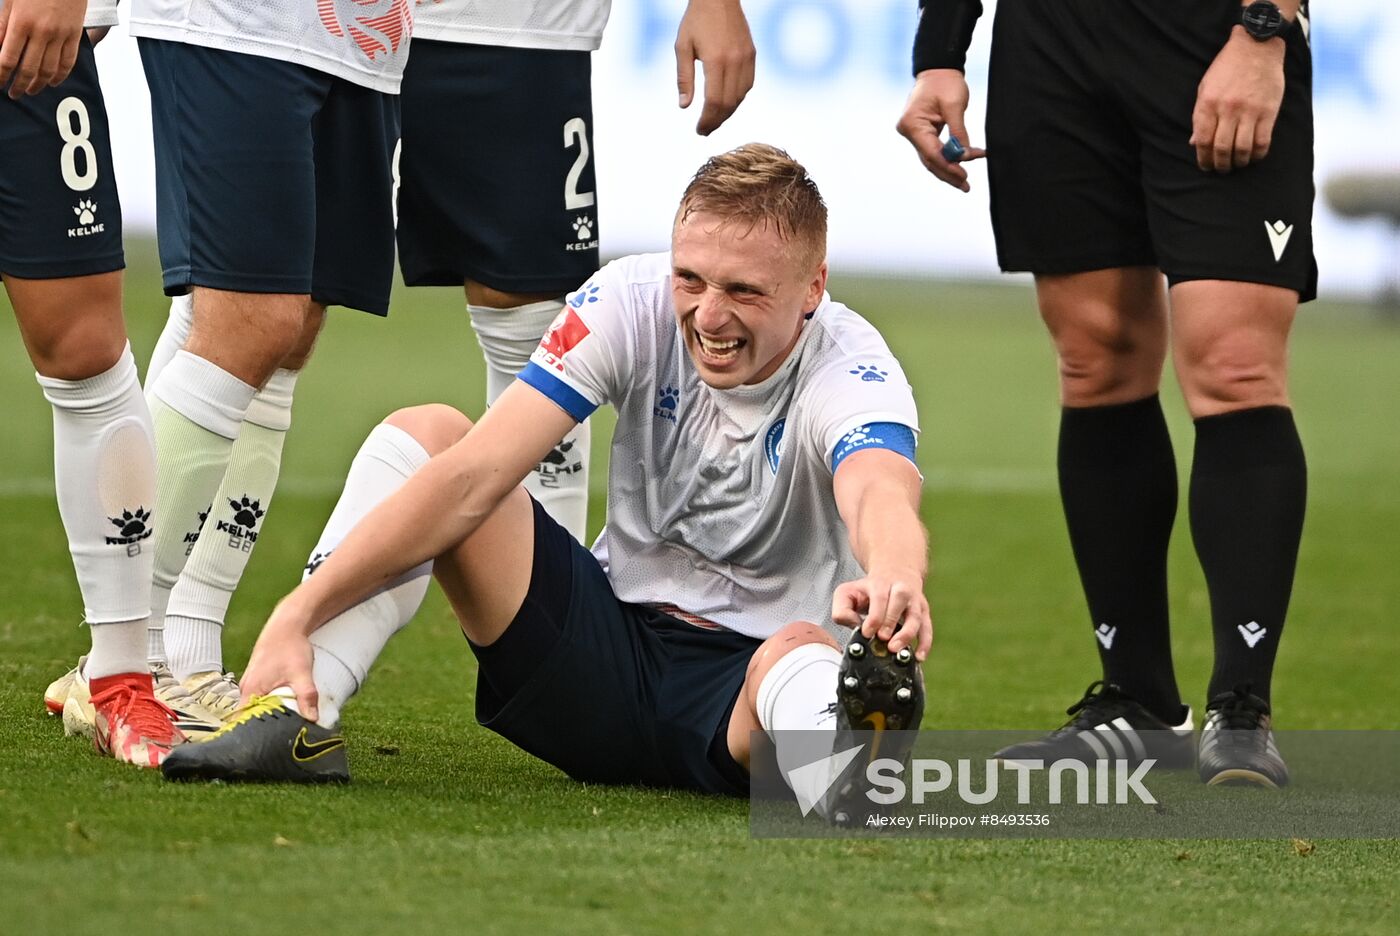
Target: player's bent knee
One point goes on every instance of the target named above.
(435, 426)
(788, 638)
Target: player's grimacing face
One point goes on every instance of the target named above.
(741, 297)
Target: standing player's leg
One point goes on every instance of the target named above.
(199, 602)
(508, 327)
(61, 256)
(241, 236)
(504, 202)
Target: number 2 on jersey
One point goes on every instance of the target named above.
(74, 142)
(576, 128)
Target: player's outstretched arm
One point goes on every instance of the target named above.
(877, 494)
(1238, 100)
(716, 33)
(434, 511)
(939, 100)
(38, 43)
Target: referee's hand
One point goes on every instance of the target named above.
(1237, 103)
(38, 43)
(939, 99)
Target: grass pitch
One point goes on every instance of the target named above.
(447, 828)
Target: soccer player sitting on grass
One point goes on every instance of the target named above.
(762, 480)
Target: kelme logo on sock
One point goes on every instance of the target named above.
(558, 463)
(241, 530)
(133, 526)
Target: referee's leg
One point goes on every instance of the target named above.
(1248, 475)
(1117, 472)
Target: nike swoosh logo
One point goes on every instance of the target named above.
(1279, 233)
(304, 751)
(876, 721)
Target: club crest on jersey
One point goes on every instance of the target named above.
(563, 336)
(773, 444)
(377, 27)
(668, 399)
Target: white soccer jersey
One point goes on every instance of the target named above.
(524, 24)
(363, 41)
(720, 502)
(99, 13)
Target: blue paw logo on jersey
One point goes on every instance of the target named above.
(773, 444)
(668, 398)
(857, 438)
(588, 293)
(869, 372)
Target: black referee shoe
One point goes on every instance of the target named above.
(1108, 724)
(264, 742)
(1237, 743)
(880, 692)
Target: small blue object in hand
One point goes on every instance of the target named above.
(953, 150)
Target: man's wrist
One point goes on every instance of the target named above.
(1275, 46)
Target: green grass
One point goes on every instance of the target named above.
(459, 832)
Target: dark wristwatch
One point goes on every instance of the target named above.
(1263, 20)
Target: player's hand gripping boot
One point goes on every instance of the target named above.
(264, 742)
(878, 692)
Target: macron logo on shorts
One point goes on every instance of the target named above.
(563, 336)
(1278, 237)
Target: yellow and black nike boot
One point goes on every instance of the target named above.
(879, 702)
(264, 742)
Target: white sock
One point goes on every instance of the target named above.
(172, 337)
(104, 476)
(197, 408)
(508, 337)
(347, 645)
(797, 694)
(198, 605)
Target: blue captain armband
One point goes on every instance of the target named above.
(895, 437)
(566, 397)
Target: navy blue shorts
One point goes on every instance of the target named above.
(59, 213)
(496, 172)
(271, 177)
(611, 692)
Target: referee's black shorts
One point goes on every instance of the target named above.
(1089, 109)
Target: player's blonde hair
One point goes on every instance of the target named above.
(757, 184)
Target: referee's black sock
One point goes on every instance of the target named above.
(1118, 485)
(1249, 486)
